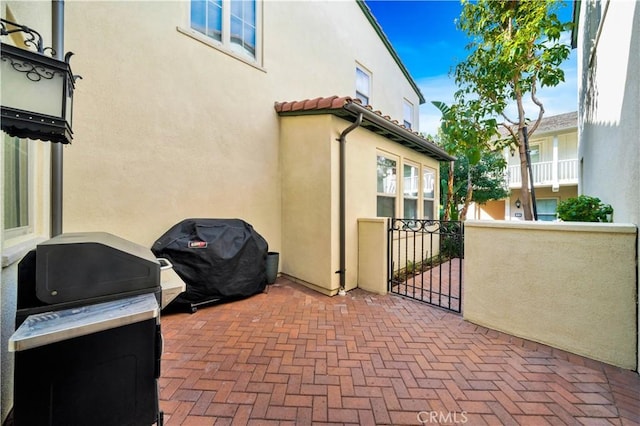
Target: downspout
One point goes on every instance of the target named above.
(57, 32)
(343, 201)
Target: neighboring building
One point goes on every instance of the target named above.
(174, 118)
(607, 35)
(554, 164)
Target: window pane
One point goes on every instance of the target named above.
(214, 20)
(410, 208)
(428, 183)
(362, 85)
(428, 209)
(236, 30)
(249, 12)
(386, 206)
(534, 152)
(407, 114)
(243, 27)
(386, 175)
(250, 39)
(364, 99)
(199, 16)
(236, 8)
(206, 17)
(411, 182)
(16, 184)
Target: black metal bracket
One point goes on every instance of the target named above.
(33, 37)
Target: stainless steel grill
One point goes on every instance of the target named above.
(88, 342)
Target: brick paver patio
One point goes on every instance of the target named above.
(294, 356)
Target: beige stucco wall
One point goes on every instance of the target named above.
(311, 190)
(372, 254)
(568, 285)
(167, 127)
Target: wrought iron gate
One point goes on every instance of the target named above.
(425, 261)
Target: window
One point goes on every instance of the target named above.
(407, 113)
(547, 209)
(232, 23)
(410, 191)
(16, 186)
(428, 192)
(534, 152)
(363, 85)
(387, 188)
(206, 17)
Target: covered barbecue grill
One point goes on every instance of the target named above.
(88, 343)
(218, 259)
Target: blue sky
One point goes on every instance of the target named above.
(424, 35)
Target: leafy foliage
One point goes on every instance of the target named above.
(487, 177)
(515, 49)
(583, 209)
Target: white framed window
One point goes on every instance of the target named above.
(363, 85)
(407, 114)
(387, 192)
(428, 193)
(410, 190)
(17, 175)
(234, 24)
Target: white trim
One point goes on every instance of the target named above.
(365, 71)
(219, 47)
(14, 253)
(225, 46)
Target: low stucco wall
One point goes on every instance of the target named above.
(568, 285)
(372, 255)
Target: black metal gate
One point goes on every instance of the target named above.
(425, 261)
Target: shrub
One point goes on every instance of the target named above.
(583, 209)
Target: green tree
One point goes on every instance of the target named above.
(487, 177)
(467, 133)
(515, 49)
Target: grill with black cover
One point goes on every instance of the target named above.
(218, 259)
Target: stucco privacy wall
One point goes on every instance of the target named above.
(310, 176)
(568, 285)
(167, 127)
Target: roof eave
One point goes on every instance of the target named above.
(389, 130)
(376, 26)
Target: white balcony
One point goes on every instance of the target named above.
(547, 173)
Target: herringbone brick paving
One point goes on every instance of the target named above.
(294, 356)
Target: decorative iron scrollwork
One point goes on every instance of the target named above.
(32, 38)
(33, 72)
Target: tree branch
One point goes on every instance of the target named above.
(536, 101)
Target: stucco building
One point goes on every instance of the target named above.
(191, 109)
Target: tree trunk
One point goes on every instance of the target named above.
(467, 198)
(447, 207)
(525, 197)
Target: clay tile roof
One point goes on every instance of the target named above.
(348, 108)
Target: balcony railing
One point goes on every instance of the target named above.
(547, 173)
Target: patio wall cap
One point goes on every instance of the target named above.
(373, 219)
(611, 228)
